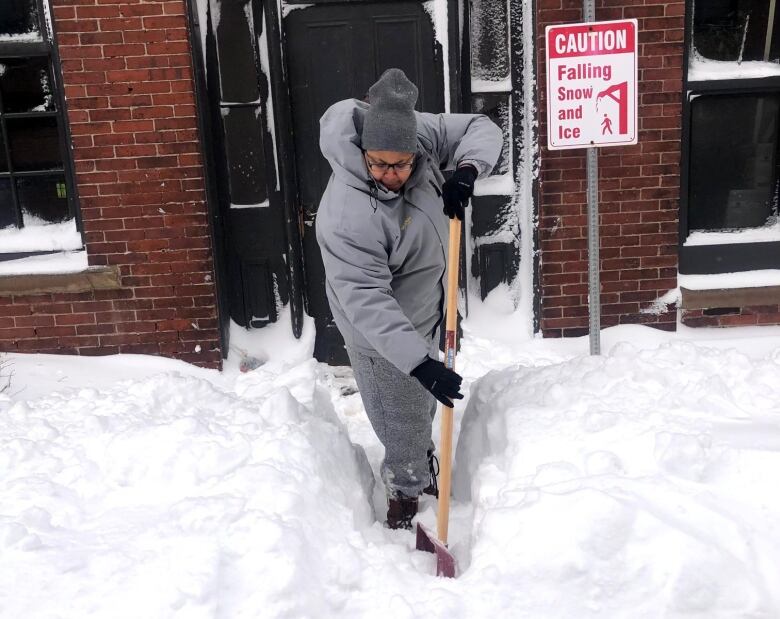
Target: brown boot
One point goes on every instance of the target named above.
(400, 511)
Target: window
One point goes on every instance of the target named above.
(736, 30)
(35, 186)
(731, 129)
(734, 173)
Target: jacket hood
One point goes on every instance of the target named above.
(340, 129)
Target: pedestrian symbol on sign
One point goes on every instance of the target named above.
(618, 93)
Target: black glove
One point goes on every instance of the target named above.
(442, 382)
(457, 190)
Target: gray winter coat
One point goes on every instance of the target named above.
(385, 252)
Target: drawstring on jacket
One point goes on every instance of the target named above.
(373, 194)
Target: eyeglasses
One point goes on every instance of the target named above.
(401, 166)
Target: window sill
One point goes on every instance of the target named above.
(93, 278)
(729, 297)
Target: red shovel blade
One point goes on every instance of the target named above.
(446, 564)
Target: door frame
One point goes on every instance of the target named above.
(285, 156)
(207, 147)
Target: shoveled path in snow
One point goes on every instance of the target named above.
(638, 484)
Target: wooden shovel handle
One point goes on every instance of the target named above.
(450, 346)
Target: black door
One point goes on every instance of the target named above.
(336, 51)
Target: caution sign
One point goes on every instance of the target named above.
(591, 84)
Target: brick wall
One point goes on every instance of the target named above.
(638, 185)
(752, 315)
(128, 81)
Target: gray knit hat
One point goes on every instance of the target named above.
(390, 123)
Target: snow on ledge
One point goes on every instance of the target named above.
(702, 69)
(721, 281)
(501, 185)
(47, 264)
(289, 8)
(765, 234)
(263, 204)
(480, 86)
(27, 37)
(47, 237)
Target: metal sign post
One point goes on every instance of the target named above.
(594, 279)
(592, 102)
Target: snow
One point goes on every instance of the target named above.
(764, 234)
(40, 237)
(488, 23)
(25, 37)
(60, 262)
(717, 281)
(661, 304)
(265, 67)
(478, 86)
(215, 10)
(288, 8)
(263, 204)
(47, 20)
(438, 12)
(640, 483)
(636, 484)
(274, 341)
(501, 184)
(702, 69)
(202, 7)
(628, 484)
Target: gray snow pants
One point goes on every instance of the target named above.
(401, 412)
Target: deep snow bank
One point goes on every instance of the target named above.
(638, 484)
(168, 497)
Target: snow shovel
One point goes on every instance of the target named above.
(445, 561)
